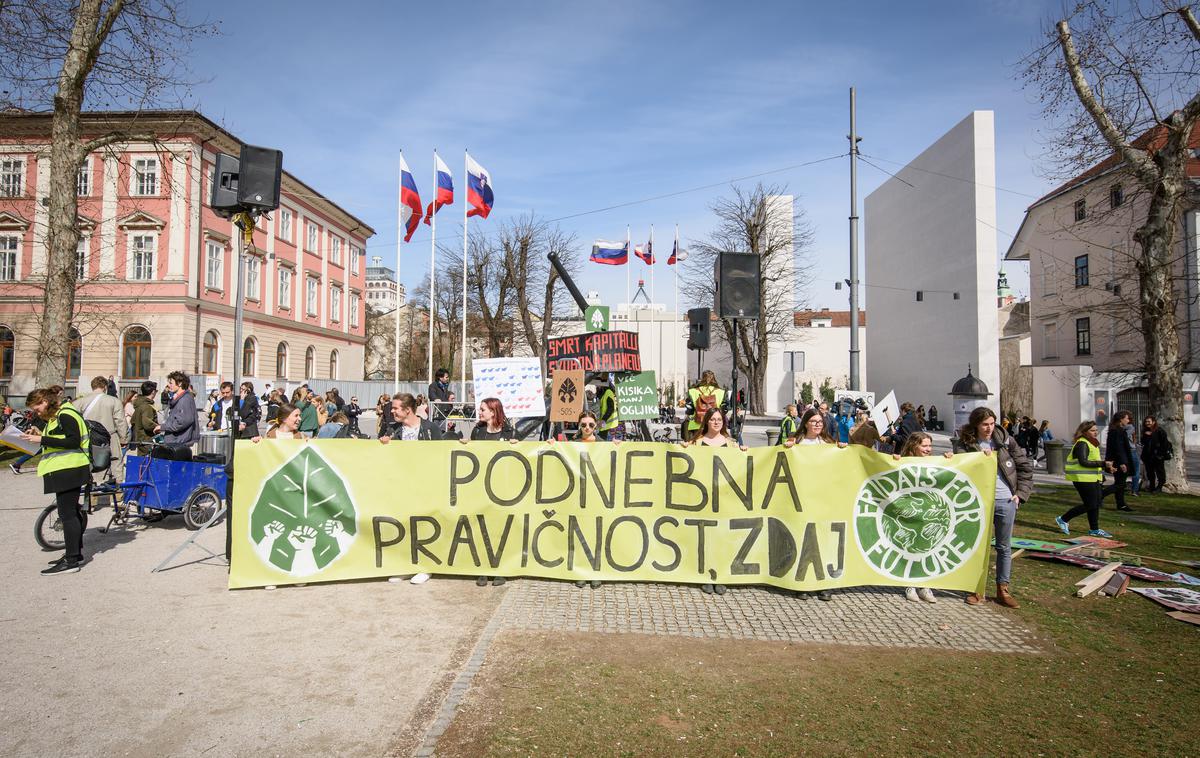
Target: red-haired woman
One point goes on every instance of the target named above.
(493, 426)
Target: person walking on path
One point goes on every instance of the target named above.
(64, 467)
(1014, 485)
(1156, 450)
(1085, 469)
(1117, 452)
(108, 411)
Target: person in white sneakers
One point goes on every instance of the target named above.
(408, 426)
(918, 445)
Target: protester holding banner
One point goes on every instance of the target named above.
(64, 467)
(409, 427)
(1014, 484)
(714, 432)
(587, 427)
(814, 432)
(705, 396)
(919, 445)
(287, 426)
(1085, 469)
(493, 424)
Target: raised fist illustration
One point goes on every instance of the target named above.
(303, 539)
(335, 529)
(271, 532)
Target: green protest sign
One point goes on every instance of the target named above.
(637, 396)
(596, 318)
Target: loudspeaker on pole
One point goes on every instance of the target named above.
(699, 320)
(737, 276)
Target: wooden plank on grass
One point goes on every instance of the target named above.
(1116, 585)
(1191, 618)
(1097, 579)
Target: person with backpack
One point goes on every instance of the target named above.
(702, 398)
(65, 468)
(105, 417)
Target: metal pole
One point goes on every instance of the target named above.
(238, 315)
(463, 379)
(399, 242)
(432, 264)
(855, 382)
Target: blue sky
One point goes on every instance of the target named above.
(574, 107)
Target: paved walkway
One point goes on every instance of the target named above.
(865, 616)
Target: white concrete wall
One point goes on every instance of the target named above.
(938, 236)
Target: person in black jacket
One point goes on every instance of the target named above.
(1118, 453)
(1156, 450)
(1085, 470)
(406, 424)
(493, 426)
(249, 413)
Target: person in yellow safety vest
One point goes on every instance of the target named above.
(64, 467)
(789, 425)
(705, 395)
(606, 400)
(1085, 469)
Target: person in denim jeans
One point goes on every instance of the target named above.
(1014, 485)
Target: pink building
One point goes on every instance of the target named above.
(156, 265)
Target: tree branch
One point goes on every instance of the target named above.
(1190, 20)
(1137, 160)
(90, 146)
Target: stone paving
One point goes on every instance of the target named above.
(865, 616)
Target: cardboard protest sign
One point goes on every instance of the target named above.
(1177, 598)
(601, 352)
(566, 395)
(516, 382)
(637, 396)
(886, 413)
(803, 518)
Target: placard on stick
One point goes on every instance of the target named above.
(637, 396)
(516, 382)
(566, 395)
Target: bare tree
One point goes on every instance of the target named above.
(1125, 86)
(527, 242)
(63, 54)
(756, 222)
(447, 312)
(491, 287)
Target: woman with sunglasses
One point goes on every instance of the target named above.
(588, 423)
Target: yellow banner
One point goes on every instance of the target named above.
(804, 518)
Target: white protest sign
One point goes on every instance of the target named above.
(886, 412)
(515, 382)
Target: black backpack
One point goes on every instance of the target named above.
(99, 441)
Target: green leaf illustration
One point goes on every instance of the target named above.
(304, 517)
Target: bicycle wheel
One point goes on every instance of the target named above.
(201, 507)
(48, 531)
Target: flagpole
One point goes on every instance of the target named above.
(654, 319)
(675, 352)
(432, 262)
(399, 242)
(628, 265)
(466, 190)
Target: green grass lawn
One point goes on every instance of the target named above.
(1117, 677)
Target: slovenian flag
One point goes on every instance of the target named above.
(676, 255)
(646, 253)
(479, 189)
(445, 188)
(410, 201)
(610, 253)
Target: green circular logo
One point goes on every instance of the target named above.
(304, 517)
(918, 522)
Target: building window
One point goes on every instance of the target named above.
(81, 258)
(9, 245)
(142, 260)
(1081, 271)
(74, 354)
(311, 242)
(354, 306)
(209, 364)
(12, 177)
(252, 268)
(310, 296)
(248, 354)
(135, 353)
(333, 364)
(83, 182)
(1083, 336)
(335, 249)
(8, 352)
(285, 288)
(1116, 196)
(335, 304)
(1080, 209)
(145, 177)
(1049, 341)
(214, 260)
(310, 362)
(285, 224)
(355, 254)
(281, 356)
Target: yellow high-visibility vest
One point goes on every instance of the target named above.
(62, 460)
(1078, 473)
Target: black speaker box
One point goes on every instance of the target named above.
(224, 194)
(260, 176)
(737, 277)
(699, 320)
